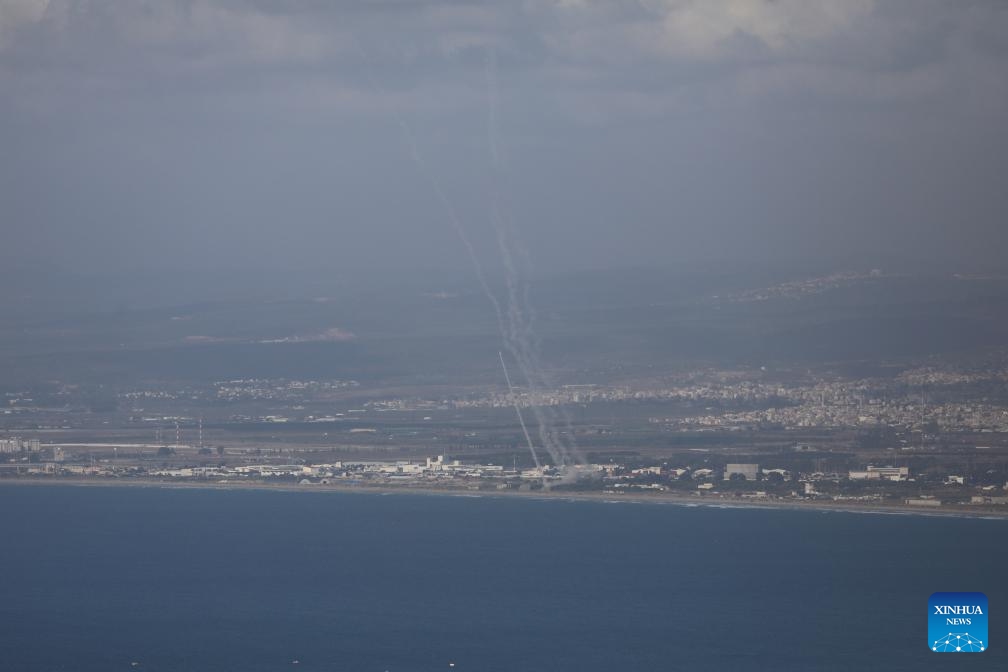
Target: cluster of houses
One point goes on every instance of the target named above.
(612, 477)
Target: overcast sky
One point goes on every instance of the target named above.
(681, 133)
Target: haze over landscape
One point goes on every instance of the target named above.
(512, 263)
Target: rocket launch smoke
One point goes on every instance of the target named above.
(514, 315)
(521, 420)
(517, 331)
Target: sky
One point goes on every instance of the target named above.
(277, 136)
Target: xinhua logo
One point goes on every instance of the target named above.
(957, 622)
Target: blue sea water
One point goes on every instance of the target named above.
(100, 578)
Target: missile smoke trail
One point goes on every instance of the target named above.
(521, 420)
(453, 218)
(491, 79)
(515, 318)
(519, 335)
(456, 224)
(431, 177)
(508, 335)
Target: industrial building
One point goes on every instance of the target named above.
(881, 474)
(16, 444)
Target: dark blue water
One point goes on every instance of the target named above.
(96, 578)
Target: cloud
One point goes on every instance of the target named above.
(15, 14)
(146, 122)
(705, 29)
(640, 44)
(588, 62)
(212, 30)
(695, 30)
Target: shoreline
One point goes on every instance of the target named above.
(684, 501)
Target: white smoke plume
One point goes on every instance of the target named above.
(518, 331)
(515, 316)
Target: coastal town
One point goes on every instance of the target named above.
(947, 399)
(707, 480)
(926, 436)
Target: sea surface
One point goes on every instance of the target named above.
(146, 579)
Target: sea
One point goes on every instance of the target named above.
(150, 579)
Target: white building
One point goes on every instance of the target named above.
(11, 445)
(891, 473)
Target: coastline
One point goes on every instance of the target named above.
(684, 501)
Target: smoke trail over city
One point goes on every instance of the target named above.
(521, 419)
(514, 314)
(518, 331)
